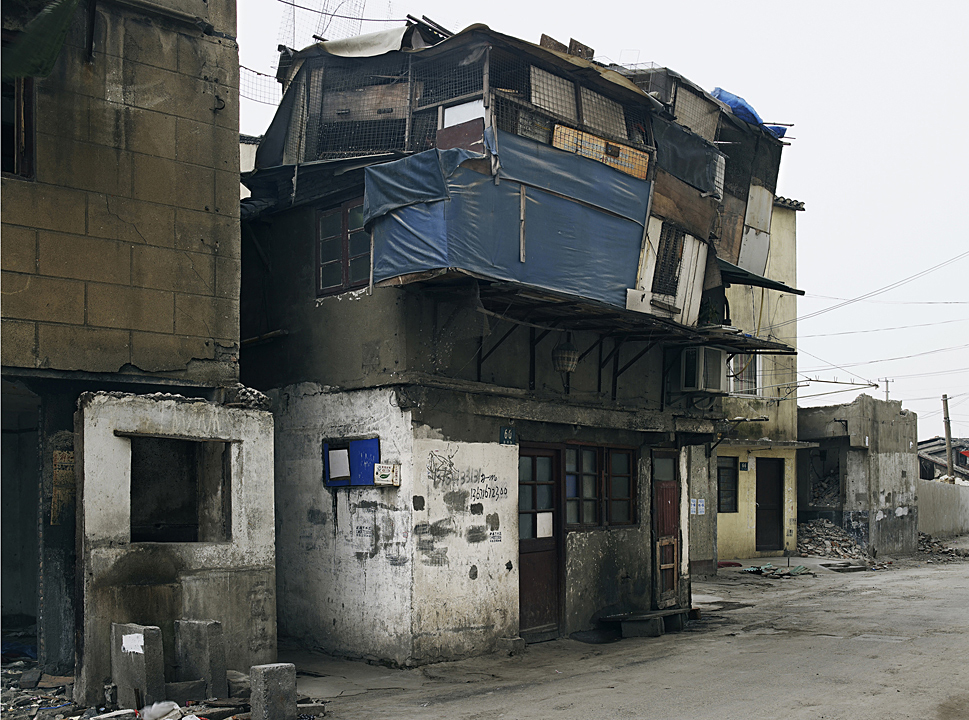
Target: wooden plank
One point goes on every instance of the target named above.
(681, 204)
(625, 159)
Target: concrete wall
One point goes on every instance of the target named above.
(877, 441)
(943, 509)
(123, 251)
(344, 560)
(465, 546)
(702, 485)
(736, 532)
(156, 583)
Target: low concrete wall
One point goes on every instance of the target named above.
(943, 508)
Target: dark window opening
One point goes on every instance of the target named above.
(18, 127)
(599, 486)
(343, 249)
(536, 497)
(727, 484)
(180, 490)
(666, 277)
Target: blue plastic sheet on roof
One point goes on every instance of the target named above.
(742, 109)
(583, 220)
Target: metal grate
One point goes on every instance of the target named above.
(666, 276)
(696, 112)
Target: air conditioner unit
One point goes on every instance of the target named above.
(703, 370)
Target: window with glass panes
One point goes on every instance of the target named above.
(343, 249)
(599, 485)
(536, 497)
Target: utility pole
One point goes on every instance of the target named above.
(948, 439)
(886, 381)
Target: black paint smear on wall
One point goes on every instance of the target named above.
(493, 522)
(477, 509)
(477, 533)
(418, 502)
(457, 500)
(315, 516)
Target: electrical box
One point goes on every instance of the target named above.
(386, 474)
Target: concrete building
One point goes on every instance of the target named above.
(492, 320)
(756, 509)
(134, 476)
(863, 474)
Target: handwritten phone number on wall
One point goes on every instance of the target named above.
(489, 492)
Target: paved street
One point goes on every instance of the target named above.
(883, 644)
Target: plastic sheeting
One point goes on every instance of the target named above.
(583, 240)
(742, 109)
(686, 156)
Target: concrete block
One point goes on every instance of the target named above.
(63, 113)
(226, 201)
(29, 679)
(133, 221)
(107, 123)
(150, 133)
(228, 275)
(42, 206)
(19, 346)
(150, 87)
(186, 691)
(273, 691)
(204, 144)
(154, 178)
(137, 664)
(86, 166)
(165, 269)
(511, 646)
(238, 684)
(652, 627)
(317, 709)
(131, 308)
(84, 258)
(154, 352)
(674, 623)
(19, 249)
(200, 653)
(32, 297)
(207, 317)
(196, 188)
(207, 233)
(68, 347)
(144, 43)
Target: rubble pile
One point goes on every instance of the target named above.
(938, 549)
(826, 491)
(822, 538)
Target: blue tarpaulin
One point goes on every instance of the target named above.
(742, 109)
(583, 224)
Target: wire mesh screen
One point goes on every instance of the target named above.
(534, 102)
(696, 112)
(449, 77)
(666, 276)
(330, 19)
(259, 87)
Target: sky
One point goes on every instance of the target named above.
(876, 92)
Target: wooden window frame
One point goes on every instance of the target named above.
(603, 486)
(346, 258)
(735, 469)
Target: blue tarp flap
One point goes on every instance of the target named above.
(570, 246)
(419, 178)
(565, 173)
(743, 109)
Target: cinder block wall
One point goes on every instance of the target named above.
(123, 250)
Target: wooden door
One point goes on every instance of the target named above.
(666, 526)
(770, 504)
(539, 541)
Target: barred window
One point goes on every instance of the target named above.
(743, 374)
(727, 484)
(666, 276)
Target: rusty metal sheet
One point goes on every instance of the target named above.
(467, 135)
(681, 204)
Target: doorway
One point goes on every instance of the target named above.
(539, 543)
(770, 504)
(666, 526)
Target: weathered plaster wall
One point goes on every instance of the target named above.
(736, 532)
(880, 471)
(156, 583)
(943, 509)
(123, 252)
(702, 485)
(465, 546)
(344, 555)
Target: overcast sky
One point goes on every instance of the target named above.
(877, 93)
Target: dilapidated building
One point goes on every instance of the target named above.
(137, 476)
(863, 474)
(484, 283)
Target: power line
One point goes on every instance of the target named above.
(811, 296)
(885, 329)
(879, 291)
(342, 17)
(900, 357)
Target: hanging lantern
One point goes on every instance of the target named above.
(565, 357)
